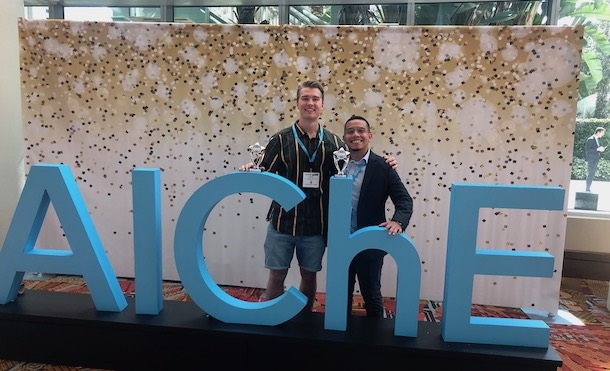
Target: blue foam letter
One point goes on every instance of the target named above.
(188, 250)
(147, 240)
(54, 183)
(343, 247)
(464, 260)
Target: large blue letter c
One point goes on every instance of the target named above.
(188, 250)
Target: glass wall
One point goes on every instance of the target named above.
(193, 14)
(36, 12)
(228, 15)
(326, 13)
(593, 108)
(100, 14)
(482, 13)
(349, 14)
(149, 14)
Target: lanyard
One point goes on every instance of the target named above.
(360, 166)
(311, 158)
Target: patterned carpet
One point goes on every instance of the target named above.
(582, 348)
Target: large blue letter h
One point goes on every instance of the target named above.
(343, 247)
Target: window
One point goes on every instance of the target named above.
(228, 15)
(482, 13)
(36, 12)
(348, 14)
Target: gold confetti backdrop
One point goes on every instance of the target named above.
(491, 105)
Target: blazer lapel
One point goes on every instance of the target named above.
(368, 173)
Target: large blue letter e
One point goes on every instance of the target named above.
(465, 260)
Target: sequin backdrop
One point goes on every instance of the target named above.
(489, 105)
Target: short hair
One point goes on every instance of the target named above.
(312, 85)
(356, 117)
(599, 128)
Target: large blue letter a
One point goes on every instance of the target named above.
(54, 183)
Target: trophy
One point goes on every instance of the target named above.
(257, 153)
(341, 155)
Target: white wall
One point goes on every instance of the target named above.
(588, 233)
(11, 140)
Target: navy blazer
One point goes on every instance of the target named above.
(380, 182)
(591, 152)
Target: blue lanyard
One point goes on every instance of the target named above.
(358, 170)
(311, 158)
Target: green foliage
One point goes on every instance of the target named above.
(603, 170)
(357, 14)
(584, 129)
(579, 170)
(316, 15)
(593, 15)
(482, 13)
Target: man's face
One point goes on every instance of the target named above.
(310, 103)
(356, 135)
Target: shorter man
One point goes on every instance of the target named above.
(374, 182)
(593, 151)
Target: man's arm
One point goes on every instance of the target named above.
(269, 157)
(391, 160)
(403, 204)
(272, 152)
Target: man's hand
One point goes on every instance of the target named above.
(247, 166)
(393, 227)
(391, 160)
(601, 149)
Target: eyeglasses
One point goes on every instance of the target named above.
(352, 131)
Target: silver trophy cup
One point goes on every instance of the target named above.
(341, 157)
(257, 152)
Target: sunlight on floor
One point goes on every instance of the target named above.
(563, 317)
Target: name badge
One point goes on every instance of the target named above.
(311, 180)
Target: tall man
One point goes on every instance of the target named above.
(302, 153)
(374, 182)
(593, 151)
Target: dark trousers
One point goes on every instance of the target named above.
(366, 266)
(591, 167)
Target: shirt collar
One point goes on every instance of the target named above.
(302, 132)
(365, 158)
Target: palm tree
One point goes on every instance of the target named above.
(595, 69)
(483, 13)
(356, 15)
(245, 14)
